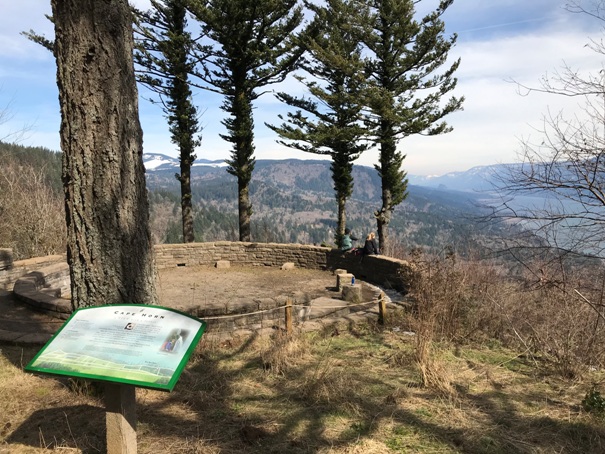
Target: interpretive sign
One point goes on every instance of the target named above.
(134, 344)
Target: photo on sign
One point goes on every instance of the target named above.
(174, 341)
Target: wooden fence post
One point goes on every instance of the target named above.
(382, 308)
(289, 316)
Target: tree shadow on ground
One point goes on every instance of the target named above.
(77, 427)
(218, 407)
(300, 418)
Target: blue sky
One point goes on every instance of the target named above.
(498, 40)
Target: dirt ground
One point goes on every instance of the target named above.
(203, 292)
(186, 288)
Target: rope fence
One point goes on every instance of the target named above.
(289, 306)
(243, 314)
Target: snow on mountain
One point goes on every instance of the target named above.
(476, 179)
(207, 163)
(153, 160)
(157, 161)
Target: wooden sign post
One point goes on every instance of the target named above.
(121, 419)
(124, 346)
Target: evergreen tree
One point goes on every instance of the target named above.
(163, 52)
(336, 84)
(255, 48)
(48, 44)
(405, 92)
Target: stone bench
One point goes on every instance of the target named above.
(42, 290)
(6, 259)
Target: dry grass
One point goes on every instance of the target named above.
(489, 369)
(341, 392)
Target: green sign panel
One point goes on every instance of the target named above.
(135, 344)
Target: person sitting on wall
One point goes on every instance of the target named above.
(371, 245)
(347, 240)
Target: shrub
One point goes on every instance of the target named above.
(594, 403)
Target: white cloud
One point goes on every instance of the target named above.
(23, 16)
(499, 40)
(496, 117)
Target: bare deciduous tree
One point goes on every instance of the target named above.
(558, 189)
(32, 220)
(7, 134)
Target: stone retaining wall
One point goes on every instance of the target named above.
(241, 254)
(384, 271)
(6, 259)
(41, 281)
(42, 290)
(377, 269)
(11, 271)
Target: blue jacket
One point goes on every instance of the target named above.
(347, 243)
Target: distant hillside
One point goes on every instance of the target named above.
(38, 157)
(480, 179)
(293, 201)
(32, 219)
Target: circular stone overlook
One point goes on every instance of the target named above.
(236, 287)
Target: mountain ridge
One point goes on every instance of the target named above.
(475, 179)
(293, 201)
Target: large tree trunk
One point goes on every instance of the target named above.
(183, 119)
(393, 181)
(242, 161)
(109, 243)
(383, 218)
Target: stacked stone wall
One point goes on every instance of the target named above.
(241, 254)
(14, 270)
(42, 290)
(377, 269)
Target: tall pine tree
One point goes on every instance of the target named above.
(405, 91)
(163, 53)
(337, 80)
(255, 48)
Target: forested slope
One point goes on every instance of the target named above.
(293, 201)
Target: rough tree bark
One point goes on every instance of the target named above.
(109, 243)
(242, 160)
(341, 219)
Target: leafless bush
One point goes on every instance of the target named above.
(450, 295)
(554, 310)
(436, 291)
(558, 315)
(32, 220)
(162, 214)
